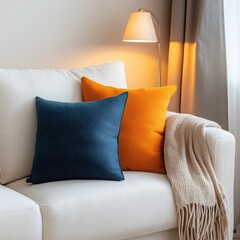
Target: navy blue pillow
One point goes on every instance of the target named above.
(77, 140)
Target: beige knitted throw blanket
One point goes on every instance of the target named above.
(200, 201)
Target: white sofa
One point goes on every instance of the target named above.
(140, 207)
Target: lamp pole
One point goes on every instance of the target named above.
(159, 43)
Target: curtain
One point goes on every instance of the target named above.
(202, 65)
(196, 59)
(232, 33)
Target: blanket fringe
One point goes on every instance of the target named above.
(198, 222)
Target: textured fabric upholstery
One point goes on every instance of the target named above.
(103, 210)
(72, 139)
(20, 217)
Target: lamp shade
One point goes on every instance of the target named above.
(140, 28)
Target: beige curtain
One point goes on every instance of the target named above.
(232, 33)
(197, 61)
(204, 63)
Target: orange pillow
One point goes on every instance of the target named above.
(142, 128)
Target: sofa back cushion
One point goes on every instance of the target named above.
(18, 89)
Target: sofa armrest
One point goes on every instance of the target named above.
(222, 150)
(20, 217)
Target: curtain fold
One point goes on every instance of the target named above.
(197, 63)
(176, 50)
(232, 33)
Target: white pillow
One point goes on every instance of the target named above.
(18, 89)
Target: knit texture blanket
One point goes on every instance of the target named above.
(199, 198)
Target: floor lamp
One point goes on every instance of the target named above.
(140, 28)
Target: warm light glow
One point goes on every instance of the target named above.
(182, 72)
(189, 77)
(140, 28)
(134, 57)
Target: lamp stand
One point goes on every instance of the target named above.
(159, 65)
(159, 44)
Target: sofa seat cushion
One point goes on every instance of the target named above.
(103, 210)
(20, 217)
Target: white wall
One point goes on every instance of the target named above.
(76, 33)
